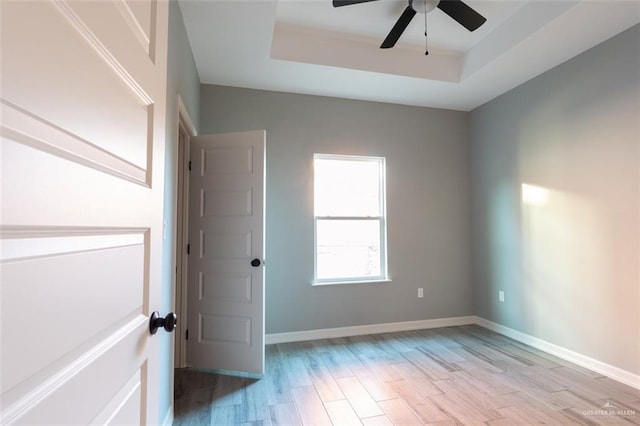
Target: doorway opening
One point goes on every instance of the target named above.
(186, 130)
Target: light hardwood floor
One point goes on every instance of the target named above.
(448, 376)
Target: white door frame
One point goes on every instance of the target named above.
(181, 209)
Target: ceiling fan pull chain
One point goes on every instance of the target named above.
(426, 38)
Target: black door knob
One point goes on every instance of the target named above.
(255, 263)
(169, 322)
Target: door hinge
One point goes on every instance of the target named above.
(186, 334)
(189, 164)
(188, 248)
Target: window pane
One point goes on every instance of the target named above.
(348, 248)
(346, 187)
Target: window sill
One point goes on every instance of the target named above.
(338, 282)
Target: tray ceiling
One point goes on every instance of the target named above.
(310, 47)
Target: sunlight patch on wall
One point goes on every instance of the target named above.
(534, 195)
(566, 262)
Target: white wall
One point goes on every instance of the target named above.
(428, 204)
(569, 266)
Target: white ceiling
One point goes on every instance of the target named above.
(310, 47)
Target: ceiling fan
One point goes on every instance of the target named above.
(456, 9)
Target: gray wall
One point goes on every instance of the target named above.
(570, 268)
(182, 79)
(428, 203)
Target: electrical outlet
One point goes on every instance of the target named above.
(501, 296)
(420, 293)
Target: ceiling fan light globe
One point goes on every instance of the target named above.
(423, 6)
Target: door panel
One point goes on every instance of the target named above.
(69, 262)
(82, 126)
(114, 357)
(125, 406)
(228, 203)
(103, 104)
(226, 229)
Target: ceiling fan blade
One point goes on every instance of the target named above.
(338, 3)
(463, 14)
(398, 28)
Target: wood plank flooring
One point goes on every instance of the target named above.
(448, 376)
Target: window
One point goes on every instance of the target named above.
(350, 222)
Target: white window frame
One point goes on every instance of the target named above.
(383, 277)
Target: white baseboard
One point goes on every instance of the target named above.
(359, 330)
(608, 370)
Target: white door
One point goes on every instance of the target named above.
(82, 122)
(226, 237)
